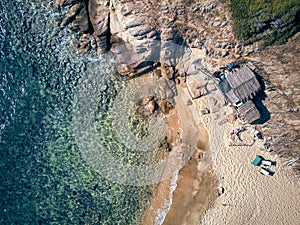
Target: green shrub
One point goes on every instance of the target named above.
(273, 21)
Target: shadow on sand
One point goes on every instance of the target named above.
(258, 101)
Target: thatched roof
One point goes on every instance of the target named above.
(243, 83)
(231, 96)
(248, 112)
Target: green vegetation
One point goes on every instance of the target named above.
(272, 21)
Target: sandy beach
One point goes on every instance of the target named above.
(196, 184)
(246, 196)
(189, 192)
(219, 185)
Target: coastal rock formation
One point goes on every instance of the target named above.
(141, 33)
(149, 105)
(145, 35)
(99, 18)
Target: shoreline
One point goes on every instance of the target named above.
(239, 192)
(196, 185)
(50, 54)
(195, 178)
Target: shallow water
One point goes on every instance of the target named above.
(44, 178)
(72, 150)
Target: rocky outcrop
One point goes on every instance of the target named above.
(149, 105)
(99, 17)
(141, 33)
(165, 36)
(74, 10)
(134, 37)
(81, 21)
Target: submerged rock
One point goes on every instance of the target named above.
(165, 106)
(147, 100)
(74, 10)
(150, 107)
(99, 17)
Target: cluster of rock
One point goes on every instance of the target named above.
(159, 36)
(163, 37)
(144, 32)
(143, 111)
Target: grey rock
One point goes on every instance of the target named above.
(134, 23)
(216, 24)
(74, 10)
(139, 30)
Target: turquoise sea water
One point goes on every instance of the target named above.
(44, 178)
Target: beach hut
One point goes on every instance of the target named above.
(257, 160)
(243, 83)
(239, 87)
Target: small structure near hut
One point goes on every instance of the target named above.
(257, 160)
(248, 112)
(239, 85)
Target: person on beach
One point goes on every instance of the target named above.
(237, 132)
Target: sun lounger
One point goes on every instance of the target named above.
(266, 162)
(266, 172)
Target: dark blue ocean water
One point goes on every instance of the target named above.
(43, 178)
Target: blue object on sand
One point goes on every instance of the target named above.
(230, 65)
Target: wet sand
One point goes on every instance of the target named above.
(195, 184)
(161, 199)
(195, 191)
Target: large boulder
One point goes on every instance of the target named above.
(99, 16)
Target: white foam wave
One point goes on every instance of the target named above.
(163, 211)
